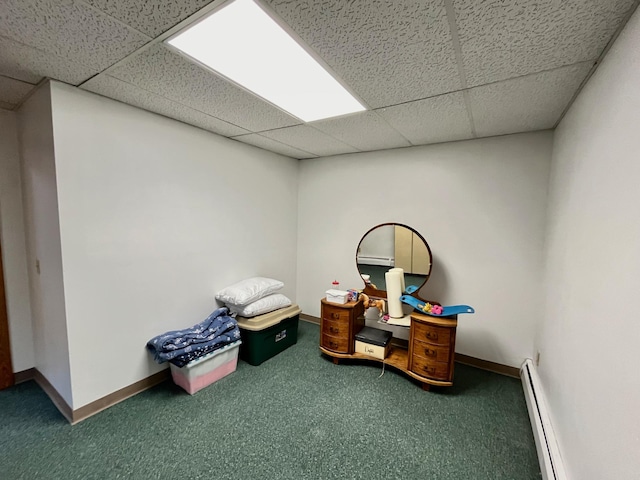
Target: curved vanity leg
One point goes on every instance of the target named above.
(426, 387)
(336, 360)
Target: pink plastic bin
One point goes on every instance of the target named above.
(200, 373)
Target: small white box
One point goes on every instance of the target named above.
(375, 351)
(337, 296)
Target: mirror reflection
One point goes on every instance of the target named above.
(393, 245)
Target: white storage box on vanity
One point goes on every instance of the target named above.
(337, 296)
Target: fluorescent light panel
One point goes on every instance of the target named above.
(243, 43)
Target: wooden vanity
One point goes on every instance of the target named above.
(431, 343)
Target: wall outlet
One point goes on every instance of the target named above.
(537, 358)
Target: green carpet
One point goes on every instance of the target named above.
(297, 416)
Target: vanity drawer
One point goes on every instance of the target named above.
(335, 329)
(333, 314)
(432, 334)
(430, 369)
(438, 353)
(337, 344)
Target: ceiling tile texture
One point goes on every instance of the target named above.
(388, 52)
(13, 91)
(125, 92)
(69, 29)
(32, 64)
(428, 71)
(364, 131)
(258, 140)
(534, 102)
(163, 72)
(151, 17)
(309, 139)
(439, 119)
(503, 39)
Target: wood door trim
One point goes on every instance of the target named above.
(6, 367)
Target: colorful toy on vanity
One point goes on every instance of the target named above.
(434, 310)
(353, 295)
(426, 308)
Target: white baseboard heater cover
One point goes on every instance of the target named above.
(373, 260)
(548, 453)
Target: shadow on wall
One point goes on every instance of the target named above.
(473, 342)
(436, 287)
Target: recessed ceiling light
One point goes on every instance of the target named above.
(243, 43)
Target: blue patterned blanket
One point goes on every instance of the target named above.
(182, 346)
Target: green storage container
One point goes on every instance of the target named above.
(267, 335)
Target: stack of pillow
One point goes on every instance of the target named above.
(253, 296)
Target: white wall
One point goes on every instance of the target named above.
(379, 243)
(43, 241)
(13, 245)
(481, 206)
(589, 338)
(155, 217)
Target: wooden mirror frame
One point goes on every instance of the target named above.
(374, 292)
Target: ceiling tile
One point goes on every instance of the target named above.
(152, 17)
(438, 119)
(117, 89)
(509, 38)
(32, 65)
(13, 91)
(365, 131)
(69, 29)
(387, 52)
(258, 140)
(309, 139)
(534, 102)
(172, 76)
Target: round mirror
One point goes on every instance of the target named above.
(392, 245)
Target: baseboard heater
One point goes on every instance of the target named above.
(548, 453)
(373, 260)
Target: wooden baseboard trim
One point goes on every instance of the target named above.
(118, 396)
(309, 318)
(460, 358)
(487, 365)
(53, 394)
(25, 375)
(82, 413)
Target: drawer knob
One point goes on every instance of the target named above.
(432, 336)
(333, 344)
(335, 316)
(334, 330)
(430, 353)
(430, 369)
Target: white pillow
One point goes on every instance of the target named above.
(247, 291)
(264, 305)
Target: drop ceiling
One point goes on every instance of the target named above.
(428, 71)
